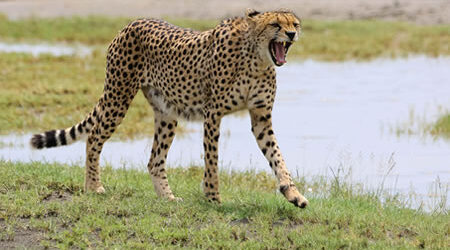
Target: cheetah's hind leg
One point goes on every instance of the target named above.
(107, 119)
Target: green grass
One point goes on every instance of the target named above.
(419, 125)
(92, 30)
(323, 40)
(42, 93)
(362, 40)
(442, 126)
(45, 203)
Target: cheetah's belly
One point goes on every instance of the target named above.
(173, 108)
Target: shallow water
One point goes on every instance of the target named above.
(50, 49)
(327, 116)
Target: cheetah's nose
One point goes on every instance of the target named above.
(290, 34)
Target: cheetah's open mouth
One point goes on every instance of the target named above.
(278, 51)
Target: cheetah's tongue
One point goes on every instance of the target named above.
(280, 56)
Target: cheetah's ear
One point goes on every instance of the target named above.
(251, 13)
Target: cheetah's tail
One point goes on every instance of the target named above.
(55, 138)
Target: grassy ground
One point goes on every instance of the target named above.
(43, 204)
(42, 93)
(323, 40)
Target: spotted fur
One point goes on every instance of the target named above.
(191, 75)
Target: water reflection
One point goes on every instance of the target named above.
(51, 49)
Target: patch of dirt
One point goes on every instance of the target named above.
(289, 224)
(23, 237)
(278, 223)
(407, 233)
(243, 221)
(58, 196)
(416, 11)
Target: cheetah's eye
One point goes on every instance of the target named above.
(276, 25)
(296, 25)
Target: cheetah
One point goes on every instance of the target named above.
(191, 75)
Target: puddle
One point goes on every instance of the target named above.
(42, 48)
(326, 116)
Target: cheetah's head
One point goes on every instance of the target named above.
(275, 31)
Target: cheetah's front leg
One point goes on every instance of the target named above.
(263, 132)
(210, 145)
